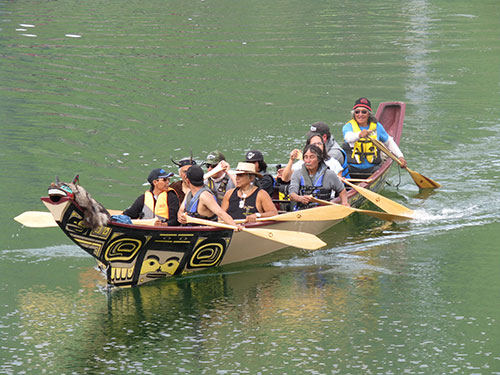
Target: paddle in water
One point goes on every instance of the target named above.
(421, 181)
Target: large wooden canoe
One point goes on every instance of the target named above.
(132, 254)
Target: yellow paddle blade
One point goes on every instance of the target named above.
(421, 181)
(36, 219)
(379, 215)
(286, 237)
(291, 238)
(384, 203)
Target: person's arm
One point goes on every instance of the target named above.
(343, 198)
(173, 208)
(389, 142)
(294, 189)
(338, 186)
(265, 206)
(182, 209)
(210, 203)
(225, 201)
(349, 135)
(287, 172)
(135, 211)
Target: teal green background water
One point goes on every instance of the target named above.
(113, 89)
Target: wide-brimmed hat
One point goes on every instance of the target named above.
(246, 168)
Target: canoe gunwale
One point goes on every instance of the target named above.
(161, 251)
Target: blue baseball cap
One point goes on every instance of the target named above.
(157, 173)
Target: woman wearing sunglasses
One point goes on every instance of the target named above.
(362, 155)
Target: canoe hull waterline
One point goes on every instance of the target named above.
(134, 254)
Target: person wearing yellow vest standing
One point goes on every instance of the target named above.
(159, 201)
(362, 155)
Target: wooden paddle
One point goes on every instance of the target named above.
(214, 170)
(379, 215)
(36, 219)
(384, 203)
(42, 219)
(324, 213)
(286, 237)
(421, 181)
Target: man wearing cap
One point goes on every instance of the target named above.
(248, 201)
(181, 186)
(159, 201)
(333, 149)
(222, 181)
(265, 181)
(362, 155)
(199, 201)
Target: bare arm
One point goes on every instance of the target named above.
(343, 198)
(265, 206)
(287, 172)
(180, 214)
(225, 201)
(207, 200)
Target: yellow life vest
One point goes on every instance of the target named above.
(364, 147)
(160, 209)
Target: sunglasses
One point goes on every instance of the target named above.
(362, 111)
(211, 165)
(164, 179)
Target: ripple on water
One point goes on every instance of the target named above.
(42, 254)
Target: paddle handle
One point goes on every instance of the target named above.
(384, 149)
(209, 223)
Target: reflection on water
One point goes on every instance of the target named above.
(308, 318)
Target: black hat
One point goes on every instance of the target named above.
(318, 128)
(184, 161)
(195, 175)
(253, 156)
(363, 102)
(157, 173)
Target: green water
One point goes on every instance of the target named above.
(113, 89)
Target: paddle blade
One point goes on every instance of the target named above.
(421, 181)
(291, 238)
(384, 215)
(384, 203)
(36, 219)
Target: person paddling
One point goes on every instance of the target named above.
(222, 181)
(248, 201)
(199, 201)
(315, 179)
(362, 155)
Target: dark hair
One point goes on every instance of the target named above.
(315, 150)
(262, 166)
(308, 142)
